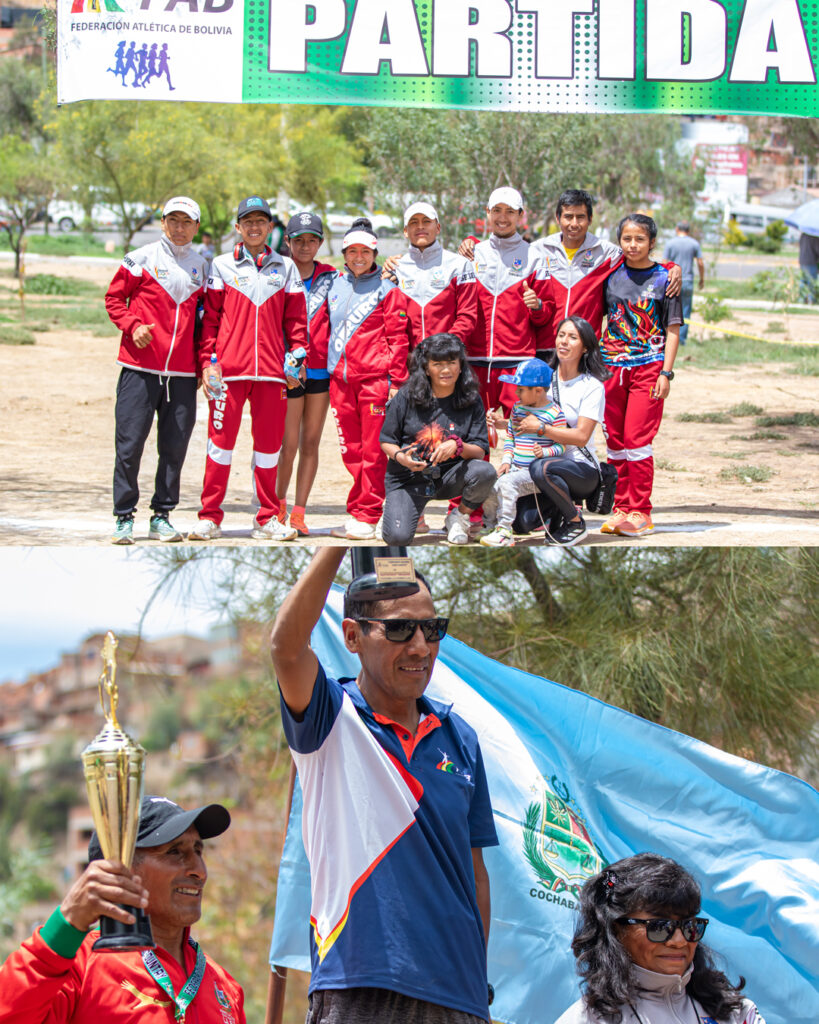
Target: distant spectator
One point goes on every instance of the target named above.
(684, 250)
(207, 248)
(809, 265)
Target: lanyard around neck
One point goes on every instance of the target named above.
(188, 992)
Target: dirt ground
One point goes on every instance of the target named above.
(57, 444)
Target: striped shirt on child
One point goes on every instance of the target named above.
(519, 447)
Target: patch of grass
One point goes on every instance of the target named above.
(746, 474)
(745, 409)
(81, 316)
(668, 466)
(795, 419)
(51, 284)
(728, 455)
(775, 327)
(14, 334)
(759, 435)
(69, 245)
(704, 417)
(726, 350)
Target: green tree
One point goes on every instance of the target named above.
(27, 182)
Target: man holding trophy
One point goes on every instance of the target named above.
(144, 883)
(396, 806)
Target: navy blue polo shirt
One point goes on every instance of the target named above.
(389, 824)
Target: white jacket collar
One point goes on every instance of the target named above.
(505, 244)
(426, 257)
(659, 986)
(177, 251)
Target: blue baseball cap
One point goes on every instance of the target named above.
(254, 204)
(531, 373)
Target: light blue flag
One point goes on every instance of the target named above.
(575, 784)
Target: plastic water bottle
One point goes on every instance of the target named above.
(215, 382)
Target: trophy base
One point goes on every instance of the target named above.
(115, 937)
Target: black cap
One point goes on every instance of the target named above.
(161, 820)
(305, 224)
(254, 204)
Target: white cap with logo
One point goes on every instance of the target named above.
(427, 209)
(509, 196)
(182, 204)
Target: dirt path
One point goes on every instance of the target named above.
(58, 455)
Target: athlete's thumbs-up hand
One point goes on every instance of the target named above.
(143, 335)
(529, 297)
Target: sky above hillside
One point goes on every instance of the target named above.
(50, 598)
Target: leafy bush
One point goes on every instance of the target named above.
(713, 309)
(50, 284)
(734, 235)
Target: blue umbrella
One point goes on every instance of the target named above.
(805, 218)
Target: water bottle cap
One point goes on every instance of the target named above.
(213, 359)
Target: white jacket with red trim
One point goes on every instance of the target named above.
(160, 284)
(579, 285)
(506, 328)
(255, 309)
(369, 329)
(441, 292)
(318, 318)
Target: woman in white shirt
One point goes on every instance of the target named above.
(639, 951)
(577, 387)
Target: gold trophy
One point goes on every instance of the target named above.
(114, 767)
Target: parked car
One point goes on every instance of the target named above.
(68, 215)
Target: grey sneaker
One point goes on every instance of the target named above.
(206, 530)
(160, 529)
(124, 530)
(273, 530)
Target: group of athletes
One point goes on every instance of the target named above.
(292, 336)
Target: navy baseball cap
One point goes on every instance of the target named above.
(254, 204)
(305, 224)
(531, 373)
(161, 820)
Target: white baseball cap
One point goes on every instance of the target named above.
(182, 204)
(509, 196)
(359, 237)
(425, 208)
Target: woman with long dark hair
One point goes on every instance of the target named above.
(577, 387)
(639, 951)
(435, 439)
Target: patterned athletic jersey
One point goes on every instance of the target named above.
(639, 312)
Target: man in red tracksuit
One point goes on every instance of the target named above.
(55, 977)
(442, 297)
(255, 309)
(514, 300)
(153, 299)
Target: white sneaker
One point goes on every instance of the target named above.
(457, 527)
(206, 530)
(500, 537)
(379, 530)
(354, 529)
(273, 530)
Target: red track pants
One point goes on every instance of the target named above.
(358, 411)
(631, 424)
(268, 405)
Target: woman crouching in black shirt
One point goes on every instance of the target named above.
(435, 439)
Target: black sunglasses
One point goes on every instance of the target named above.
(660, 929)
(401, 630)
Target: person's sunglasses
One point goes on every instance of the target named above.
(399, 631)
(660, 929)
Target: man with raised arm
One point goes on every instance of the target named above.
(396, 814)
(55, 977)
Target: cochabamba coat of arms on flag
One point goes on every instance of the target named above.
(557, 843)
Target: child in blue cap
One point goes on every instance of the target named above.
(532, 378)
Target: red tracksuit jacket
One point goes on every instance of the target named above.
(160, 284)
(254, 311)
(369, 329)
(39, 985)
(441, 292)
(506, 328)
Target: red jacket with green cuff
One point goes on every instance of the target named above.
(55, 978)
(160, 284)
